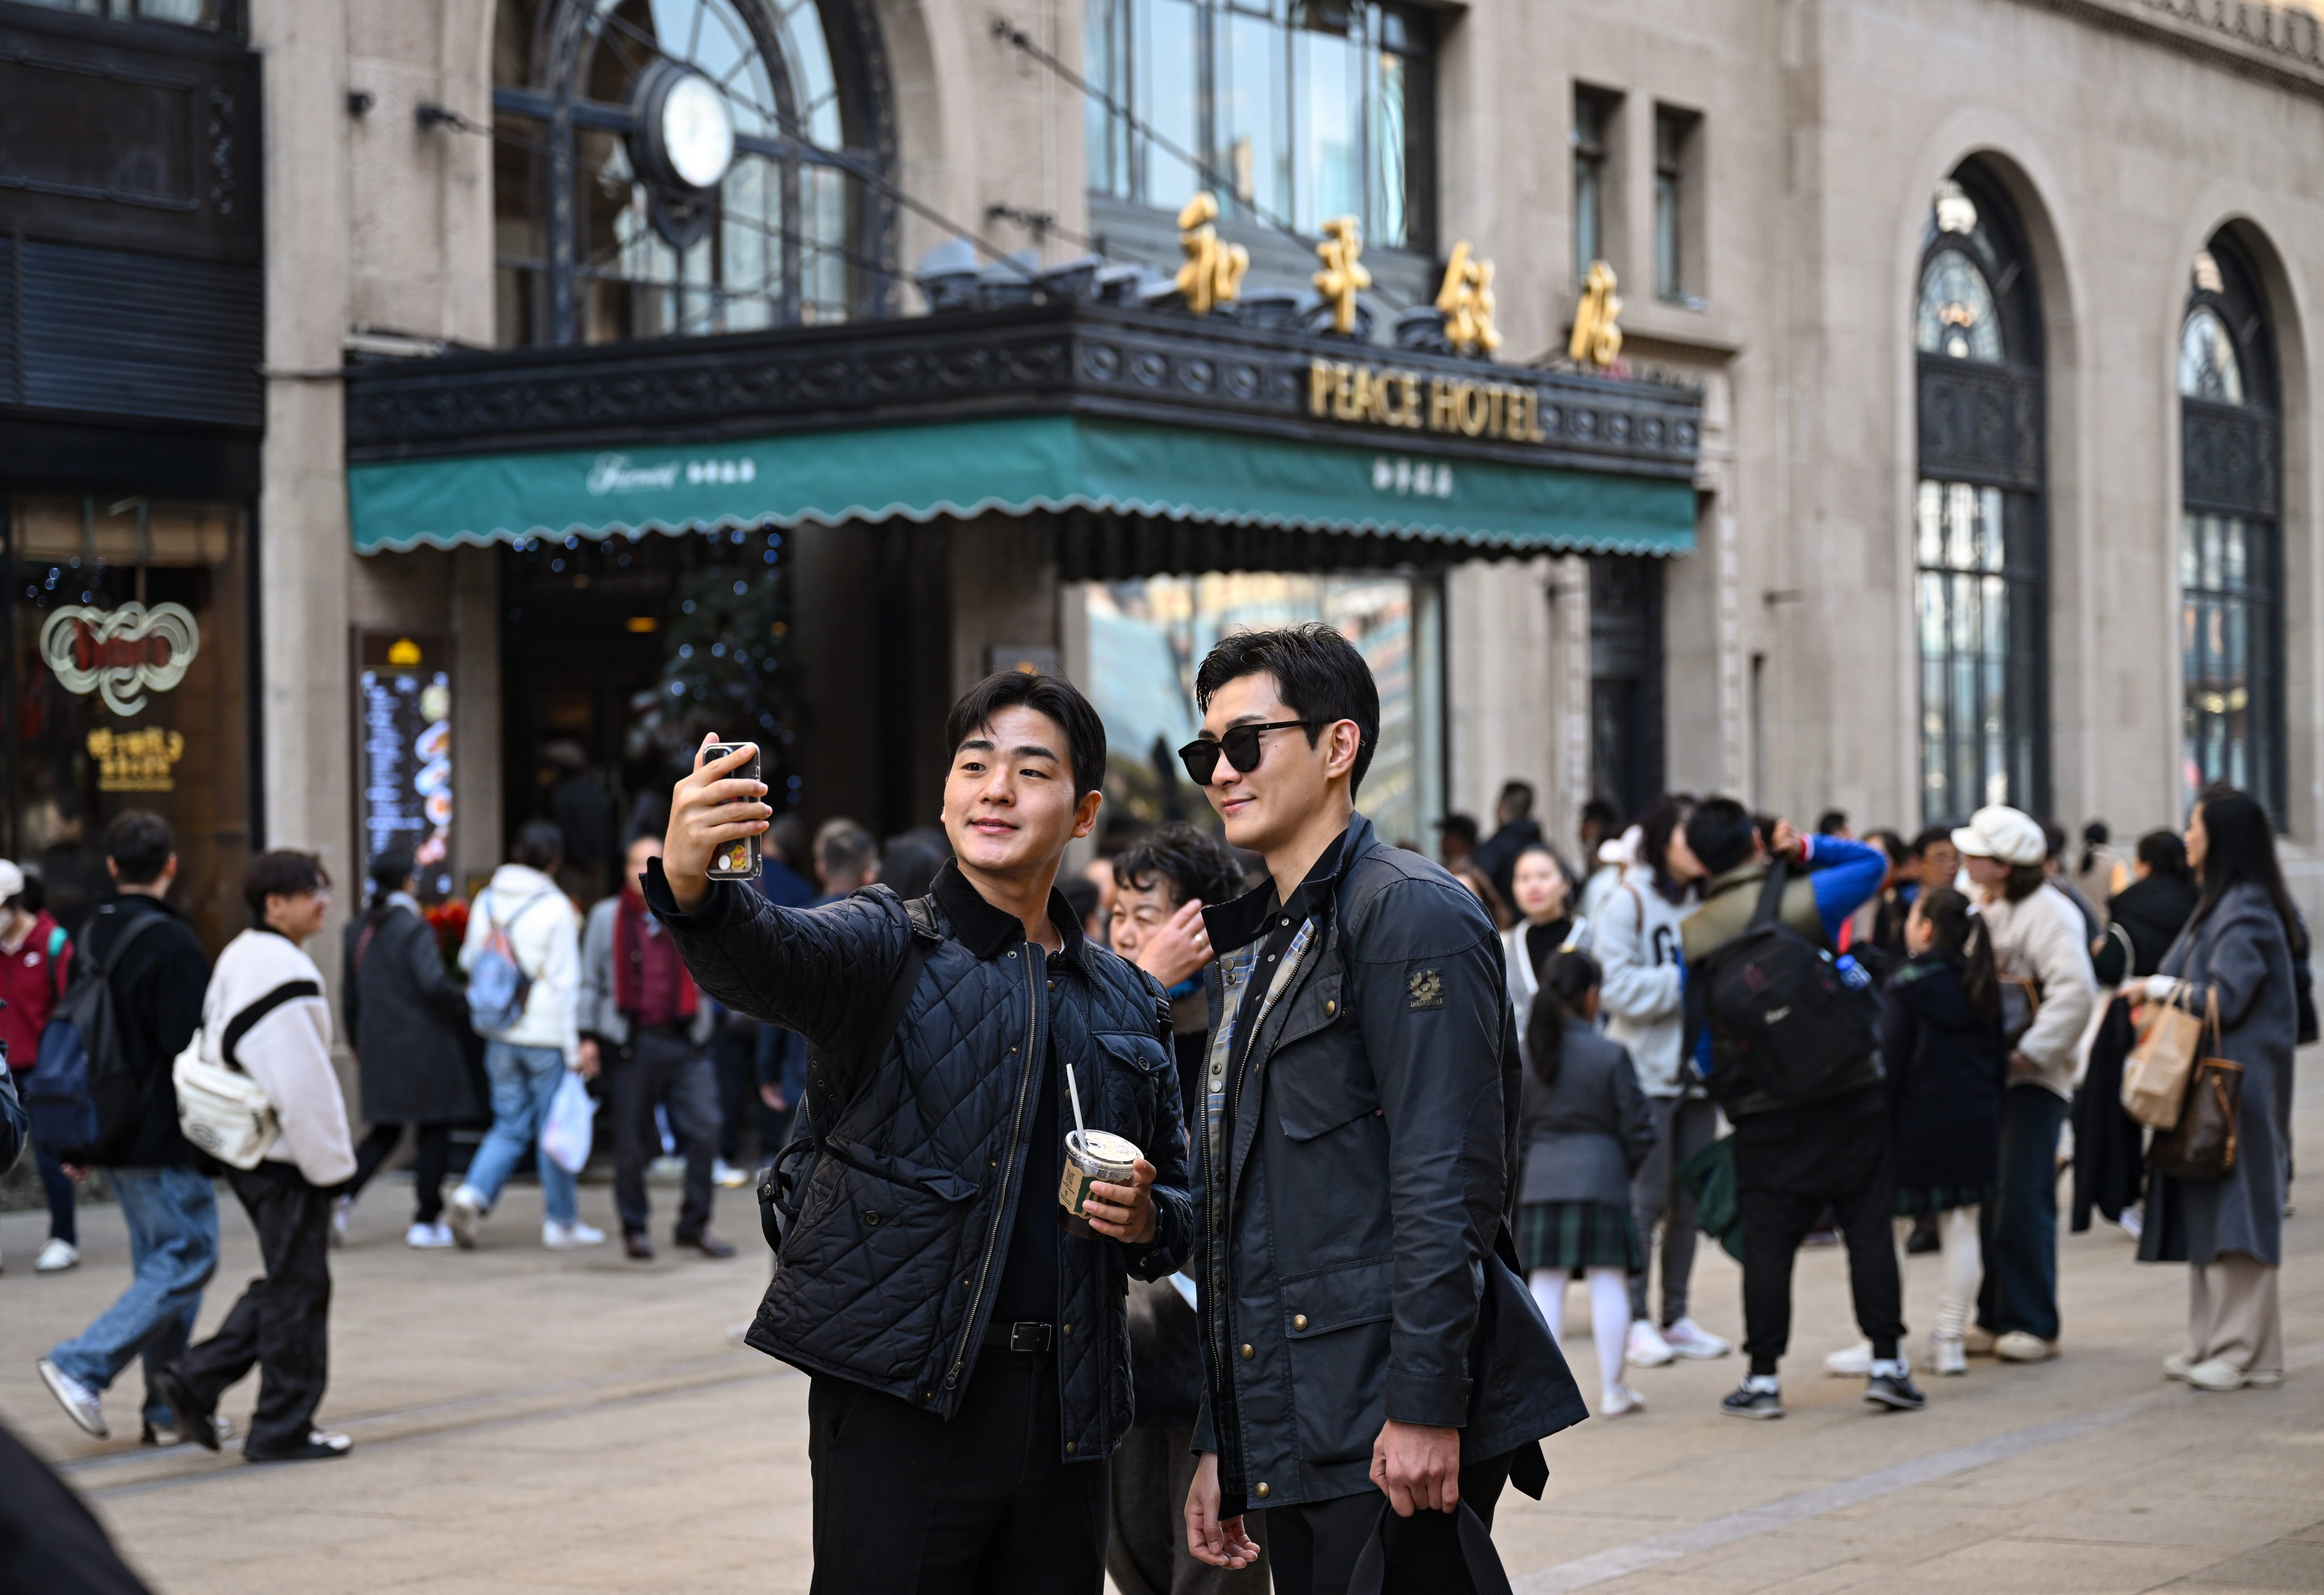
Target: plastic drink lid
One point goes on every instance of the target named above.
(1100, 1146)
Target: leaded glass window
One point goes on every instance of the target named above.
(2231, 535)
(1981, 593)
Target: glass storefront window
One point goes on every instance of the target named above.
(127, 652)
(1147, 638)
(1301, 112)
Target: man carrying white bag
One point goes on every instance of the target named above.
(256, 1090)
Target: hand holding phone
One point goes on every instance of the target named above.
(720, 804)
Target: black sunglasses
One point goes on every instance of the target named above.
(1240, 744)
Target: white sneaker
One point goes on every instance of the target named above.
(81, 1404)
(560, 1237)
(56, 1257)
(466, 1214)
(1947, 1355)
(2178, 1366)
(1686, 1338)
(341, 1206)
(2218, 1376)
(1646, 1347)
(429, 1236)
(2134, 1222)
(726, 1174)
(1855, 1363)
(1620, 1402)
(2019, 1346)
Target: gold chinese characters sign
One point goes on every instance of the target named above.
(1597, 332)
(1212, 275)
(1345, 390)
(1466, 300)
(1344, 274)
(143, 759)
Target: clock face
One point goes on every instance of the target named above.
(697, 131)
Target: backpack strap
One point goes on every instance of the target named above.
(1771, 894)
(243, 1023)
(136, 928)
(58, 942)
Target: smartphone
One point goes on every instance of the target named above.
(737, 859)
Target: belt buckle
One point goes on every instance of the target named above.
(1029, 1337)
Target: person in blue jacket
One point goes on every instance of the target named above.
(1794, 1159)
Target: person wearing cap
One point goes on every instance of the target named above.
(2048, 990)
(35, 964)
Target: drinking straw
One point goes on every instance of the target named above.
(1074, 1091)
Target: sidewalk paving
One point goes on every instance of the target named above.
(527, 1420)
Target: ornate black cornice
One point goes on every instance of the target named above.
(2229, 459)
(1074, 357)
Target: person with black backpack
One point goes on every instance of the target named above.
(153, 976)
(1785, 1036)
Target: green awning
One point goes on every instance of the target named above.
(1014, 466)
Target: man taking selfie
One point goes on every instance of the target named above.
(968, 1357)
(1372, 1360)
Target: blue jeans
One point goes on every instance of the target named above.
(525, 1082)
(2019, 1227)
(58, 1187)
(174, 1245)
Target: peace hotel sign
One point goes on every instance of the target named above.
(121, 654)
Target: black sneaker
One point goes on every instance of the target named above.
(321, 1445)
(194, 1423)
(1896, 1391)
(1744, 1402)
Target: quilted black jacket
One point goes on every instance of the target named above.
(1353, 1254)
(887, 1277)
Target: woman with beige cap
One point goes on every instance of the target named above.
(2048, 992)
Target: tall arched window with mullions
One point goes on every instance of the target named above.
(1980, 567)
(673, 167)
(2230, 532)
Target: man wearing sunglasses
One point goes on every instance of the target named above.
(1372, 1361)
(968, 1362)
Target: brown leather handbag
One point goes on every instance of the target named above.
(2202, 1145)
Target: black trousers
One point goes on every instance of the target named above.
(282, 1324)
(908, 1504)
(653, 1068)
(429, 1159)
(1790, 1165)
(1313, 1547)
(734, 1059)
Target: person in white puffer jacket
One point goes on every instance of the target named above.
(2040, 951)
(527, 1061)
(264, 1014)
(1643, 998)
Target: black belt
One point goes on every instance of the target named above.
(1020, 1337)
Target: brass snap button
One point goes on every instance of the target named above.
(1262, 1491)
(1247, 1352)
(1299, 1321)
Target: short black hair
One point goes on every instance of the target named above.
(1831, 822)
(842, 847)
(1053, 695)
(540, 845)
(1889, 842)
(1517, 796)
(283, 872)
(2165, 852)
(1929, 838)
(1722, 834)
(139, 842)
(1463, 826)
(1080, 895)
(787, 840)
(910, 862)
(1601, 811)
(1318, 673)
(1195, 863)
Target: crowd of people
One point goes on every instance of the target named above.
(1205, 1217)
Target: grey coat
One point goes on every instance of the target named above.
(406, 1020)
(1586, 1135)
(2240, 955)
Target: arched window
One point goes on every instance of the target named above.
(669, 168)
(1980, 572)
(2230, 537)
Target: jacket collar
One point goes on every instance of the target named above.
(1243, 921)
(986, 931)
(1740, 875)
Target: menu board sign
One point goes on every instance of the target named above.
(403, 752)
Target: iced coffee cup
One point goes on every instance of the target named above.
(1092, 1156)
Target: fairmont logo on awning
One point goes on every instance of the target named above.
(614, 473)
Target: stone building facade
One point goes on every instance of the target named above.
(1951, 284)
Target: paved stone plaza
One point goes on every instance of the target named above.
(534, 1421)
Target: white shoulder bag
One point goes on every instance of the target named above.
(220, 1108)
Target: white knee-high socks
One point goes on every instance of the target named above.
(1609, 1314)
(1963, 1263)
